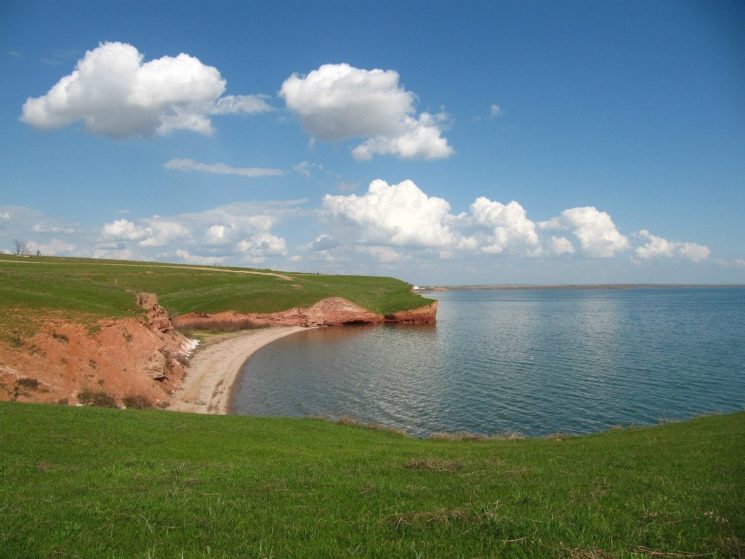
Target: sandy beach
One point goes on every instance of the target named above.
(215, 367)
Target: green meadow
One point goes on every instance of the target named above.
(33, 288)
(90, 482)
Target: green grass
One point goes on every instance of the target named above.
(84, 482)
(76, 287)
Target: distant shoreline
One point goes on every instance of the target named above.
(619, 286)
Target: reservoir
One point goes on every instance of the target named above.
(531, 361)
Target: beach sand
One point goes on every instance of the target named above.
(214, 369)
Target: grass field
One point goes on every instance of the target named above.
(89, 289)
(85, 482)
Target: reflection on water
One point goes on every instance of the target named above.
(530, 361)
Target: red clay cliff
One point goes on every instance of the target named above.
(333, 311)
(147, 356)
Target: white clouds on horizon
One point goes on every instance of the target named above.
(597, 234)
(403, 216)
(220, 168)
(339, 102)
(658, 247)
(399, 214)
(239, 232)
(387, 226)
(114, 92)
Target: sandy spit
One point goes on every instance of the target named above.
(214, 369)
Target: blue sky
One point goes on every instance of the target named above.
(440, 142)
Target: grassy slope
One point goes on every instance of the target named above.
(94, 483)
(102, 289)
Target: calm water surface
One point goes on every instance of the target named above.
(531, 361)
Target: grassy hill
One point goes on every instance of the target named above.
(88, 289)
(85, 482)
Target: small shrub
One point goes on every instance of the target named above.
(30, 383)
(63, 401)
(61, 337)
(97, 398)
(137, 401)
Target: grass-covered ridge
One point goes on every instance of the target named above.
(104, 288)
(85, 482)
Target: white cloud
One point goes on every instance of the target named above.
(382, 254)
(217, 234)
(658, 247)
(114, 92)
(186, 256)
(233, 104)
(339, 101)
(261, 245)
(52, 248)
(163, 232)
(122, 229)
(495, 111)
(222, 234)
(115, 253)
(154, 232)
(510, 228)
(323, 242)
(52, 228)
(419, 139)
(595, 230)
(399, 214)
(4, 216)
(306, 167)
(220, 168)
(559, 246)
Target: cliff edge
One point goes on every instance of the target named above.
(332, 311)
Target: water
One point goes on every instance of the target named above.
(527, 361)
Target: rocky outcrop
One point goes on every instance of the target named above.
(124, 357)
(333, 311)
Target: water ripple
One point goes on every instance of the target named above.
(530, 361)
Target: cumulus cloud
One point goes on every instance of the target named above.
(658, 247)
(233, 104)
(153, 232)
(52, 228)
(510, 228)
(238, 232)
(597, 234)
(186, 256)
(114, 92)
(495, 111)
(51, 248)
(323, 242)
(122, 229)
(220, 168)
(382, 254)
(261, 245)
(399, 214)
(559, 245)
(339, 101)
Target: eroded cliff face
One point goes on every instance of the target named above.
(147, 356)
(126, 357)
(333, 311)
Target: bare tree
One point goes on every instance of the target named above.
(21, 247)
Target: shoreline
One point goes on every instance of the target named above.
(214, 368)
